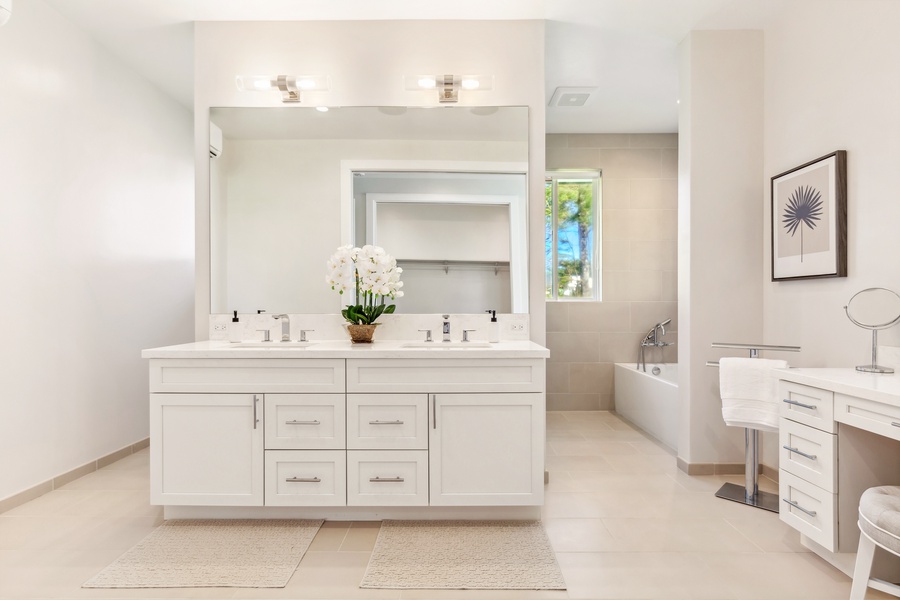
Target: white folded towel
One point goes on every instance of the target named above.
(749, 392)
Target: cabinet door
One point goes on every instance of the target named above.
(486, 449)
(207, 449)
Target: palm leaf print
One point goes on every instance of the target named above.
(804, 208)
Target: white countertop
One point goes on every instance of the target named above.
(882, 387)
(345, 349)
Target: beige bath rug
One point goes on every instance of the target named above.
(212, 553)
(463, 555)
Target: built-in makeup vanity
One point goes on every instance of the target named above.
(839, 435)
(347, 431)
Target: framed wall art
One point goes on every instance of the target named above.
(809, 220)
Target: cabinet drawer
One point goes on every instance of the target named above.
(389, 421)
(306, 478)
(808, 453)
(876, 417)
(387, 478)
(448, 375)
(808, 405)
(305, 421)
(809, 509)
(247, 375)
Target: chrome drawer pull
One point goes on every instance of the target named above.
(296, 422)
(895, 423)
(397, 422)
(303, 480)
(796, 451)
(811, 513)
(800, 404)
(387, 479)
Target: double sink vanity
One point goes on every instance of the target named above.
(330, 429)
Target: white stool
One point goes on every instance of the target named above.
(879, 525)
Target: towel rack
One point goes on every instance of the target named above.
(750, 494)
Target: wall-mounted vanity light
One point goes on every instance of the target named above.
(448, 86)
(290, 86)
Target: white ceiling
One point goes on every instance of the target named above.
(626, 49)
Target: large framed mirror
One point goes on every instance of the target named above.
(285, 190)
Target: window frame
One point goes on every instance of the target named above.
(553, 178)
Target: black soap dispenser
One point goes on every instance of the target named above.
(234, 329)
(493, 332)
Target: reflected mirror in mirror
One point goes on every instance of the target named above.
(282, 197)
(875, 309)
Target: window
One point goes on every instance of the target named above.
(571, 235)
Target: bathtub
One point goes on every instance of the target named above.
(649, 401)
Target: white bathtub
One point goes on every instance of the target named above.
(650, 401)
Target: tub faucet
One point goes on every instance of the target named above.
(285, 327)
(446, 328)
(652, 339)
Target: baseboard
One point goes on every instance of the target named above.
(20, 498)
(723, 469)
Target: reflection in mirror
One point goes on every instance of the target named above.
(277, 193)
(875, 309)
(453, 234)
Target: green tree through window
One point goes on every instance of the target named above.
(570, 211)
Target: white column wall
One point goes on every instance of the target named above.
(96, 254)
(367, 62)
(720, 226)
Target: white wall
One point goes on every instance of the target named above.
(95, 245)
(367, 62)
(720, 223)
(832, 84)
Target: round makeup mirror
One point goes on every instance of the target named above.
(874, 308)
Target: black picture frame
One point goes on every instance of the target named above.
(809, 220)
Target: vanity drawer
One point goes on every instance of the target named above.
(253, 375)
(808, 405)
(387, 421)
(387, 478)
(876, 417)
(445, 375)
(304, 421)
(809, 509)
(808, 453)
(306, 478)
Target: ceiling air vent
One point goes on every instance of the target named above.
(571, 96)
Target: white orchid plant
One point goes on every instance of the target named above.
(372, 275)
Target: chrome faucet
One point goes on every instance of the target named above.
(446, 328)
(652, 339)
(285, 327)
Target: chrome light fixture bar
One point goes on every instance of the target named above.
(290, 86)
(448, 86)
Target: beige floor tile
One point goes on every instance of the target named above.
(642, 463)
(483, 595)
(678, 535)
(577, 463)
(568, 447)
(579, 535)
(361, 536)
(595, 505)
(640, 576)
(330, 536)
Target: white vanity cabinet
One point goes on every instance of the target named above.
(835, 442)
(207, 424)
(486, 424)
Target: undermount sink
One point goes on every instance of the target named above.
(447, 345)
(271, 344)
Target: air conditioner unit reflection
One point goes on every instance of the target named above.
(215, 140)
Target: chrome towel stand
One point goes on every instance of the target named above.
(750, 494)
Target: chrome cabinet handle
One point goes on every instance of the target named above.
(800, 404)
(434, 411)
(296, 422)
(386, 479)
(255, 415)
(397, 422)
(303, 480)
(796, 451)
(895, 423)
(811, 513)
